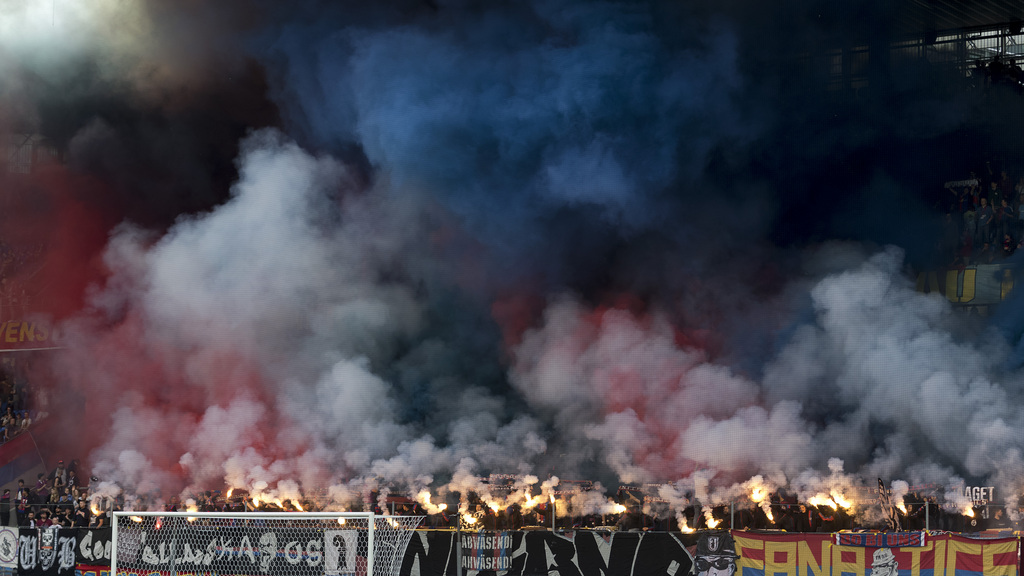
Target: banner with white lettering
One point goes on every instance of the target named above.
(46, 551)
(487, 550)
(94, 545)
(259, 551)
(570, 553)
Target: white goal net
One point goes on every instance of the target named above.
(259, 543)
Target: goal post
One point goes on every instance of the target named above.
(259, 543)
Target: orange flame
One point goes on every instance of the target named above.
(532, 502)
(822, 500)
(841, 500)
(758, 494)
(711, 521)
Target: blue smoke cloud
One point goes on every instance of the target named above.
(512, 114)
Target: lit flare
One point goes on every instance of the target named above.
(841, 500)
(822, 500)
(710, 519)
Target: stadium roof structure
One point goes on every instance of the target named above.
(921, 17)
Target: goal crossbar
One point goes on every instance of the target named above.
(298, 543)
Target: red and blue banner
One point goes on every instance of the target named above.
(880, 539)
(821, 555)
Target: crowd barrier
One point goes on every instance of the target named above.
(86, 552)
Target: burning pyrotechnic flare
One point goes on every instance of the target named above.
(423, 497)
(710, 519)
(822, 500)
(841, 500)
(759, 492)
(532, 502)
(684, 527)
(899, 490)
(190, 506)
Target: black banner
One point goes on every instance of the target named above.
(247, 548)
(93, 546)
(257, 550)
(46, 551)
(544, 553)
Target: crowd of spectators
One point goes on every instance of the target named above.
(984, 220)
(998, 72)
(59, 498)
(919, 512)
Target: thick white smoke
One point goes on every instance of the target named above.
(276, 310)
(272, 313)
(325, 330)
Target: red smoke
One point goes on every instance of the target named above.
(49, 217)
(117, 359)
(642, 373)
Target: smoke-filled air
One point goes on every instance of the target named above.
(327, 252)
